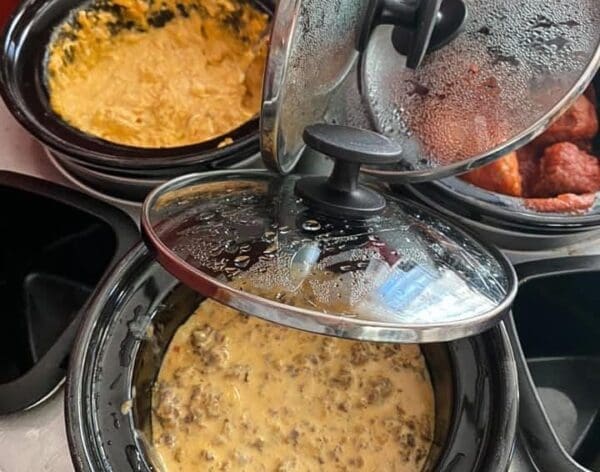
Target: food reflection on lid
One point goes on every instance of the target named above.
(455, 125)
(238, 393)
(159, 74)
(556, 173)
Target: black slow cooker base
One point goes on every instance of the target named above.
(55, 245)
(559, 328)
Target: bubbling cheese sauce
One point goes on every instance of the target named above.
(238, 393)
(159, 74)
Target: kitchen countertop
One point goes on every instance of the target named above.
(35, 440)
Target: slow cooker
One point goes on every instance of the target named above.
(347, 257)
(122, 171)
(475, 379)
(505, 220)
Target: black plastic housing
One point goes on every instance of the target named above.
(555, 316)
(55, 246)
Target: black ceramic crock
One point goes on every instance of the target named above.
(503, 220)
(116, 360)
(23, 89)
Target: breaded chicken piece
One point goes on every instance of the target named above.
(500, 176)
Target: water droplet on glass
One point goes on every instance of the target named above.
(269, 236)
(272, 249)
(241, 261)
(206, 216)
(311, 225)
(284, 230)
(231, 246)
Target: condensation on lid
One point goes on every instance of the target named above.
(406, 275)
(515, 67)
(312, 51)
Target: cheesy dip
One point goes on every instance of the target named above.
(237, 393)
(158, 74)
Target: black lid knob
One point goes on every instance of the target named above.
(421, 26)
(341, 194)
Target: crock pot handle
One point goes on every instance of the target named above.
(341, 194)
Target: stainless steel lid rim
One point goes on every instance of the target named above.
(286, 14)
(311, 53)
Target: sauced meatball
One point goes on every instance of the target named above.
(500, 176)
(565, 203)
(564, 168)
(578, 124)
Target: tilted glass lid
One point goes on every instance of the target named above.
(514, 68)
(312, 49)
(393, 271)
(495, 75)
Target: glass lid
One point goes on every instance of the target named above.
(457, 83)
(514, 68)
(403, 274)
(312, 51)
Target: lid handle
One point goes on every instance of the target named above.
(341, 194)
(421, 26)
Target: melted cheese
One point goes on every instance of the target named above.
(237, 393)
(141, 79)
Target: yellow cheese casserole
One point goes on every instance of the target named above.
(158, 74)
(236, 393)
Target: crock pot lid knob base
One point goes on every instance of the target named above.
(341, 194)
(421, 26)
